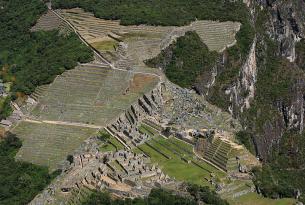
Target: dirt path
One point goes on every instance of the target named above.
(96, 52)
(63, 123)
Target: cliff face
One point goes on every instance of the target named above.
(286, 24)
(287, 20)
(243, 91)
(270, 119)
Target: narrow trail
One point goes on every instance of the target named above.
(75, 124)
(82, 39)
(105, 61)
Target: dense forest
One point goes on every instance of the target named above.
(31, 59)
(185, 60)
(283, 175)
(159, 12)
(161, 196)
(20, 182)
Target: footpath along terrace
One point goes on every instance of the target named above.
(91, 95)
(74, 107)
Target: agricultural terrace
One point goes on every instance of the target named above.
(176, 159)
(46, 144)
(91, 94)
(112, 144)
(250, 198)
(48, 21)
(144, 42)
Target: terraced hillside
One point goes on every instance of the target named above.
(91, 94)
(47, 144)
(47, 22)
(144, 42)
(73, 107)
(176, 159)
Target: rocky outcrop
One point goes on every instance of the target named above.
(286, 26)
(243, 91)
(287, 22)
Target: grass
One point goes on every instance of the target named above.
(48, 144)
(153, 125)
(116, 143)
(175, 166)
(88, 94)
(185, 145)
(253, 198)
(105, 45)
(112, 145)
(117, 166)
(148, 130)
(107, 147)
(134, 35)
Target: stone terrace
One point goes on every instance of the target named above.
(47, 144)
(90, 94)
(144, 42)
(48, 21)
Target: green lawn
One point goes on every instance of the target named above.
(153, 125)
(176, 167)
(253, 198)
(105, 45)
(114, 143)
(107, 147)
(181, 143)
(148, 130)
(48, 144)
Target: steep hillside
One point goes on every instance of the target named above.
(264, 87)
(257, 76)
(29, 59)
(185, 61)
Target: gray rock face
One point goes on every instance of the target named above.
(287, 24)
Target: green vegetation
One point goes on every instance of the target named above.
(5, 108)
(161, 196)
(48, 144)
(300, 54)
(205, 195)
(103, 46)
(180, 143)
(110, 143)
(104, 136)
(235, 57)
(178, 13)
(177, 160)
(156, 197)
(32, 59)
(246, 139)
(19, 181)
(249, 199)
(159, 12)
(148, 130)
(284, 173)
(190, 58)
